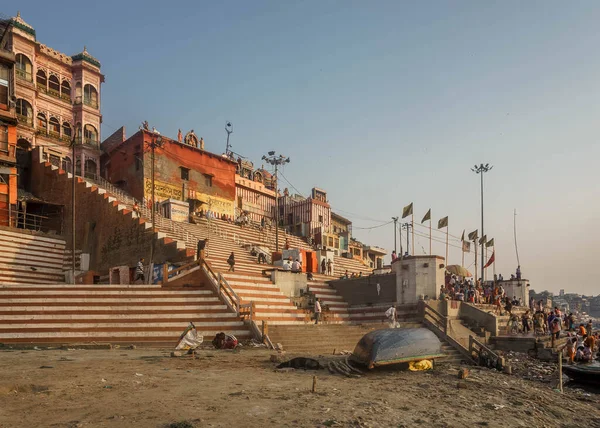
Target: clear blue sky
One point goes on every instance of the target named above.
(380, 103)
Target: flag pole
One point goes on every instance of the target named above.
(430, 252)
(486, 258)
(462, 250)
(413, 233)
(475, 244)
(447, 227)
(494, 264)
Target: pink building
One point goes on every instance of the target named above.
(57, 98)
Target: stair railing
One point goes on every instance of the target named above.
(483, 355)
(439, 323)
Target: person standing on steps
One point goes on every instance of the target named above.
(323, 267)
(317, 310)
(231, 262)
(139, 271)
(329, 267)
(201, 249)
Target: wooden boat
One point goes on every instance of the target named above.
(584, 373)
(395, 346)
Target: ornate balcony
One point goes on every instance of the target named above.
(90, 103)
(24, 75)
(25, 120)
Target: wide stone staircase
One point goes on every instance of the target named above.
(27, 256)
(62, 314)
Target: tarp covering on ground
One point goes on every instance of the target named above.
(189, 339)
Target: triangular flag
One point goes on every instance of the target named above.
(490, 243)
(491, 260)
(408, 210)
(473, 235)
(466, 247)
(462, 238)
(483, 239)
(427, 216)
(443, 222)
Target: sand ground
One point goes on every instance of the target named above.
(148, 388)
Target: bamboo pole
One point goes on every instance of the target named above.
(430, 251)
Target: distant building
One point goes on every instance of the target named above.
(183, 171)
(306, 217)
(57, 97)
(255, 192)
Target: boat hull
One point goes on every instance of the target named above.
(583, 373)
(395, 346)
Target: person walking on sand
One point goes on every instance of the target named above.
(139, 271)
(317, 310)
(231, 262)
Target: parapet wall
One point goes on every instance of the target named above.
(363, 290)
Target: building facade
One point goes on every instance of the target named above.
(8, 127)
(183, 171)
(57, 99)
(307, 217)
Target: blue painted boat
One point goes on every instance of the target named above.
(395, 346)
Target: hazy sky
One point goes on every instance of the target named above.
(380, 103)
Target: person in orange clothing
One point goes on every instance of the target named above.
(590, 342)
(582, 331)
(571, 349)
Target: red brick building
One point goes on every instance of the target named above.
(183, 170)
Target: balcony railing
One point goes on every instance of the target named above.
(66, 138)
(54, 134)
(41, 88)
(25, 120)
(90, 103)
(24, 75)
(91, 142)
(66, 97)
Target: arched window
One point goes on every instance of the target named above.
(24, 112)
(42, 123)
(90, 135)
(41, 80)
(54, 86)
(54, 128)
(90, 168)
(66, 164)
(66, 128)
(90, 96)
(24, 68)
(65, 90)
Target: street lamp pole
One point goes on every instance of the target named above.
(155, 142)
(395, 241)
(275, 160)
(229, 130)
(73, 206)
(482, 169)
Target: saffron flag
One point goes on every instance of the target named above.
(473, 235)
(443, 222)
(466, 247)
(462, 238)
(483, 239)
(490, 243)
(491, 260)
(427, 216)
(408, 210)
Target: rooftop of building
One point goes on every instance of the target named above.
(110, 146)
(337, 217)
(83, 56)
